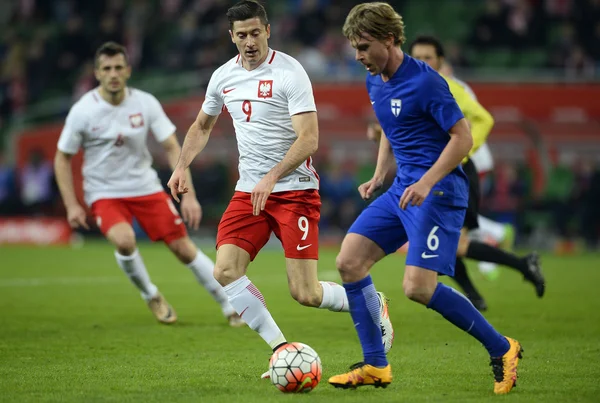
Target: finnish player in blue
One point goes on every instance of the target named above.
(427, 136)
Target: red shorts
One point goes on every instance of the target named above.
(293, 216)
(155, 213)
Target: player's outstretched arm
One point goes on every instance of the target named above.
(76, 214)
(195, 141)
(385, 161)
(457, 148)
(307, 129)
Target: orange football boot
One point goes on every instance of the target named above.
(505, 368)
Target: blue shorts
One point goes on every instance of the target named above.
(433, 230)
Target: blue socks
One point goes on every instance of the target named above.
(452, 305)
(458, 310)
(365, 312)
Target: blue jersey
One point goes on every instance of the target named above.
(416, 110)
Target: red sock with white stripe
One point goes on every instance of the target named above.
(249, 303)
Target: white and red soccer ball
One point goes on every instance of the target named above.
(295, 368)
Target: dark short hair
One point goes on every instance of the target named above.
(246, 9)
(431, 41)
(110, 49)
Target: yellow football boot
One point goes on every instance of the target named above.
(362, 374)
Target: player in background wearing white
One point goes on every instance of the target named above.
(111, 124)
(269, 97)
(491, 231)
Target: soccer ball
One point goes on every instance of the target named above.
(295, 368)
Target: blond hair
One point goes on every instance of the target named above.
(379, 20)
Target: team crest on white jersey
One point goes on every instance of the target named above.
(265, 89)
(136, 120)
(396, 106)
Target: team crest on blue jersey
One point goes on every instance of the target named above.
(396, 106)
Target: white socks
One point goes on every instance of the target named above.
(250, 304)
(334, 297)
(202, 267)
(134, 268)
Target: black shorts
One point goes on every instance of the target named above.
(471, 221)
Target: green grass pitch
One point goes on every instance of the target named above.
(72, 329)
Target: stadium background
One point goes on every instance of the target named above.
(534, 64)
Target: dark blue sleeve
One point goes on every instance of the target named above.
(438, 101)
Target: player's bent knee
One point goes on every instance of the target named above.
(226, 273)
(232, 262)
(350, 268)
(123, 237)
(418, 292)
(126, 246)
(184, 249)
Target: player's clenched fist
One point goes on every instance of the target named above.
(367, 189)
(177, 183)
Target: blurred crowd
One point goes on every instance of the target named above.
(562, 212)
(46, 46)
(567, 32)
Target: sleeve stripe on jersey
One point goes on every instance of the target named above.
(311, 169)
(272, 57)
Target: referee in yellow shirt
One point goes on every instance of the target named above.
(430, 50)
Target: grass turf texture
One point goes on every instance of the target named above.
(73, 328)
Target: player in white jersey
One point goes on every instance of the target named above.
(269, 97)
(111, 124)
(489, 231)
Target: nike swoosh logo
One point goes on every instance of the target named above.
(372, 102)
(305, 382)
(227, 91)
(426, 256)
(242, 314)
(96, 128)
(303, 247)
